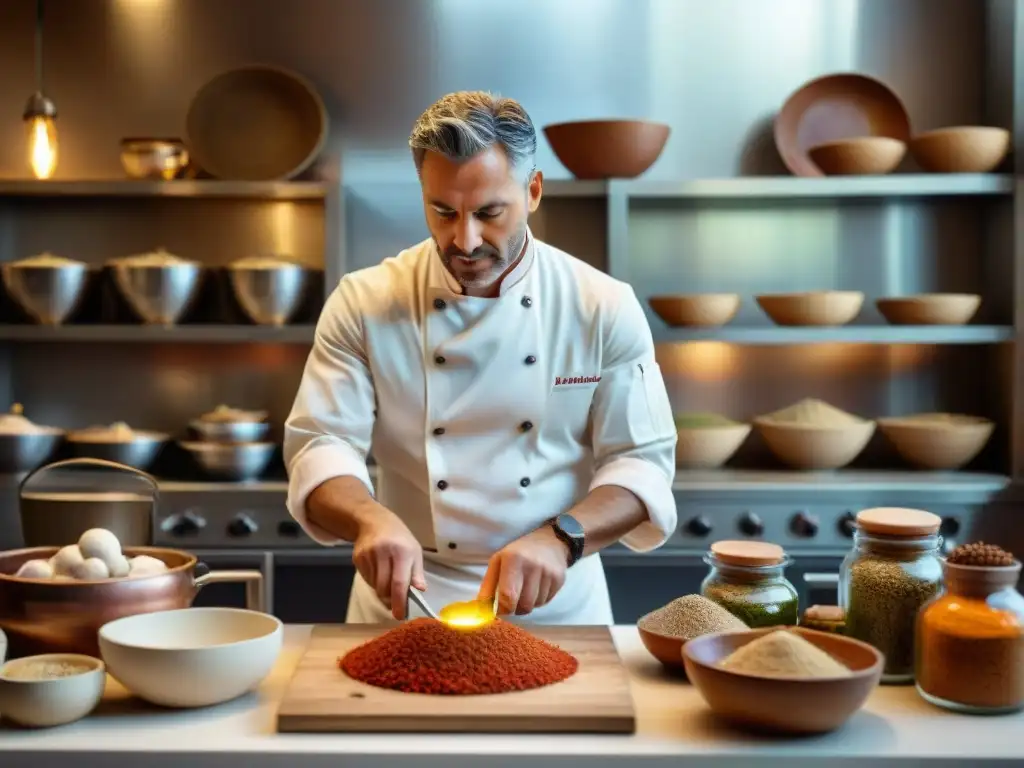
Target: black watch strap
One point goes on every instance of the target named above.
(569, 531)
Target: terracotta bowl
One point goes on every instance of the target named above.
(806, 447)
(696, 310)
(607, 149)
(930, 308)
(708, 447)
(779, 704)
(667, 650)
(818, 308)
(938, 445)
(864, 156)
(962, 149)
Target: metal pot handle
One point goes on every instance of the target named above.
(255, 599)
(85, 462)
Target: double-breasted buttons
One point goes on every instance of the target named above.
(439, 304)
(442, 484)
(439, 359)
(524, 482)
(452, 545)
(438, 431)
(526, 301)
(526, 426)
(530, 360)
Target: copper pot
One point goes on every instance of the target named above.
(65, 616)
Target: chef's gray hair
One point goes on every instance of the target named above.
(463, 124)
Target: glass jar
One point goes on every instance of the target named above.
(893, 570)
(747, 578)
(970, 641)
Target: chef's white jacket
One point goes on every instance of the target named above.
(487, 417)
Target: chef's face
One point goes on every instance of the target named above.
(476, 212)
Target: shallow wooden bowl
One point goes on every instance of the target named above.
(708, 447)
(808, 447)
(961, 149)
(938, 445)
(667, 650)
(863, 156)
(780, 704)
(819, 308)
(607, 149)
(696, 310)
(930, 308)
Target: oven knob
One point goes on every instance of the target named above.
(804, 525)
(242, 525)
(751, 525)
(289, 528)
(950, 527)
(187, 524)
(848, 524)
(699, 526)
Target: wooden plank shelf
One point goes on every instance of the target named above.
(208, 334)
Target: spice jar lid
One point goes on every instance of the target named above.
(897, 521)
(750, 553)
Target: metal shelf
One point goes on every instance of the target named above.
(896, 185)
(252, 190)
(574, 188)
(211, 334)
(850, 334)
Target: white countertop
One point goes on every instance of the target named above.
(896, 728)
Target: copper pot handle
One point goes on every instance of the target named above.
(253, 580)
(86, 462)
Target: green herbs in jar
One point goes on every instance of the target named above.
(747, 579)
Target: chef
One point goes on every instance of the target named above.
(519, 421)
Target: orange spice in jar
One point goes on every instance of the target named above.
(970, 638)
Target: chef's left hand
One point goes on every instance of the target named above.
(527, 573)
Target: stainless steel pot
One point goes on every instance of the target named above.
(59, 515)
(65, 616)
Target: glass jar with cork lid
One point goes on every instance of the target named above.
(970, 638)
(747, 578)
(893, 570)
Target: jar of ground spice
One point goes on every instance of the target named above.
(893, 570)
(970, 639)
(747, 578)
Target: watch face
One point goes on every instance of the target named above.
(570, 525)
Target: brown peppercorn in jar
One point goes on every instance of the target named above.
(893, 570)
(970, 639)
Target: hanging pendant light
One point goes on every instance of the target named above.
(40, 116)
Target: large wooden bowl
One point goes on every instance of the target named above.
(699, 310)
(863, 156)
(938, 445)
(961, 149)
(929, 308)
(708, 447)
(607, 149)
(781, 704)
(817, 308)
(802, 446)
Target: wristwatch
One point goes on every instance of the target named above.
(569, 531)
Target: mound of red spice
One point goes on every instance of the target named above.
(425, 656)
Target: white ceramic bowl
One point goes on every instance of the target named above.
(47, 702)
(193, 657)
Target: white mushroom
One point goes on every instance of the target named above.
(35, 569)
(100, 543)
(144, 565)
(119, 568)
(91, 569)
(66, 560)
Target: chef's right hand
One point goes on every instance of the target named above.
(389, 559)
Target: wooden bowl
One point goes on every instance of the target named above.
(696, 310)
(667, 650)
(607, 149)
(806, 447)
(864, 156)
(930, 308)
(708, 447)
(781, 704)
(962, 149)
(834, 107)
(817, 308)
(938, 445)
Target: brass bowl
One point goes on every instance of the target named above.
(153, 158)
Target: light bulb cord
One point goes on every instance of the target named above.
(39, 46)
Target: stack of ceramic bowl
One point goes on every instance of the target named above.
(158, 286)
(47, 287)
(118, 443)
(23, 444)
(269, 290)
(231, 443)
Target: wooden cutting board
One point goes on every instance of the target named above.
(322, 699)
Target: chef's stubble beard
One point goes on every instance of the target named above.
(514, 245)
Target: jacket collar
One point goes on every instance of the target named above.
(443, 279)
